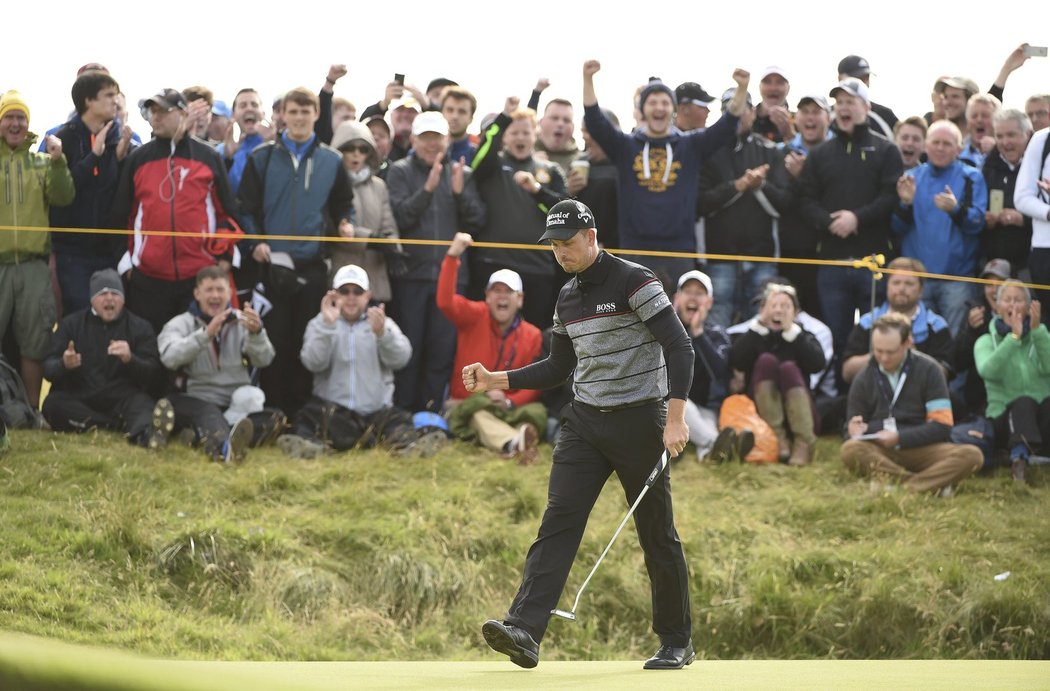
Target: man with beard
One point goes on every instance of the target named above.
(772, 117)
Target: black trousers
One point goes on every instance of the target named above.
(421, 384)
(157, 300)
(347, 429)
(591, 445)
(125, 411)
(209, 425)
(1024, 422)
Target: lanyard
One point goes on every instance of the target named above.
(884, 385)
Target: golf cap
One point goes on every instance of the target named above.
(509, 278)
(566, 218)
(410, 103)
(817, 99)
(221, 109)
(440, 82)
(691, 92)
(966, 84)
(854, 66)
(165, 98)
(351, 273)
(105, 281)
(728, 94)
(999, 268)
(853, 87)
(430, 121)
(695, 275)
(773, 69)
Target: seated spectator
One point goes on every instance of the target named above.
(211, 346)
(353, 349)
(774, 357)
(373, 217)
(102, 361)
(508, 422)
(1032, 198)
(692, 302)
(978, 319)
(1013, 359)
(929, 331)
(910, 137)
(899, 417)
(1007, 232)
(940, 216)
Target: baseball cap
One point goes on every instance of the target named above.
(1000, 268)
(430, 121)
(691, 92)
(815, 98)
(509, 278)
(695, 275)
(853, 87)
(221, 109)
(409, 103)
(728, 94)
(92, 67)
(773, 69)
(854, 66)
(965, 83)
(566, 218)
(166, 98)
(440, 82)
(351, 273)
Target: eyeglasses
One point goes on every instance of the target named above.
(351, 290)
(359, 148)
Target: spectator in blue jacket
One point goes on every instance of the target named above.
(940, 216)
(659, 167)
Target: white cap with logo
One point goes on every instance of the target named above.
(430, 121)
(509, 278)
(351, 273)
(695, 275)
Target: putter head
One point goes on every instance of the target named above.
(571, 616)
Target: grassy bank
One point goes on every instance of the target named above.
(366, 557)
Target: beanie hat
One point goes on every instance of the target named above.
(105, 280)
(654, 86)
(12, 100)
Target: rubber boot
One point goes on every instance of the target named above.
(771, 408)
(800, 418)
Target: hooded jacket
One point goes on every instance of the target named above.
(855, 172)
(373, 216)
(30, 183)
(659, 179)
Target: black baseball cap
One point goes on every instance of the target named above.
(566, 218)
(691, 92)
(166, 98)
(854, 66)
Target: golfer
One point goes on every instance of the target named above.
(615, 327)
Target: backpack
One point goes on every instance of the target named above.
(739, 412)
(14, 401)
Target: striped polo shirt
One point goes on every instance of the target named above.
(602, 309)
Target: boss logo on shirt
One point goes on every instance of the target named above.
(605, 308)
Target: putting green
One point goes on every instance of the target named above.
(35, 664)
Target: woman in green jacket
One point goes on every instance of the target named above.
(1013, 359)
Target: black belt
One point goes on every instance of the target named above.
(622, 406)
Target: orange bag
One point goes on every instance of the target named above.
(739, 412)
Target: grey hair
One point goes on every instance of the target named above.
(1013, 283)
(1014, 115)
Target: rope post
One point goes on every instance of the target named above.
(873, 263)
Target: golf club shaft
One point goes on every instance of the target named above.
(641, 495)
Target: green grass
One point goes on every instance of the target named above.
(363, 556)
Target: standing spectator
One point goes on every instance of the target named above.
(202, 123)
(432, 198)
(33, 183)
(101, 362)
(848, 191)
(955, 93)
(95, 143)
(342, 110)
(980, 138)
(556, 129)
(212, 345)
(295, 185)
(1032, 198)
(776, 356)
(325, 124)
(1007, 232)
(401, 115)
(174, 183)
(221, 115)
(373, 215)
(597, 184)
(940, 216)
(1037, 108)
(694, 105)
(458, 106)
(910, 137)
(380, 130)
(493, 331)
(518, 189)
(1013, 359)
(900, 418)
(254, 131)
(743, 190)
(882, 117)
(659, 169)
(772, 118)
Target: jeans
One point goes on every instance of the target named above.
(948, 299)
(735, 285)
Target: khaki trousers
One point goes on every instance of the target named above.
(920, 469)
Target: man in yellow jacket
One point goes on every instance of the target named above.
(30, 184)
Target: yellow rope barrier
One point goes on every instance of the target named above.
(872, 263)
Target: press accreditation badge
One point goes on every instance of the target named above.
(890, 425)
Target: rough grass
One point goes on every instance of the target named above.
(362, 556)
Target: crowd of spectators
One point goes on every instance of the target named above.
(225, 309)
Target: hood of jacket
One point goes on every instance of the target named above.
(348, 131)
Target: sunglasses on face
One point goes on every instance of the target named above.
(359, 148)
(351, 290)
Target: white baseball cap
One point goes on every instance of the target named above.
(695, 275)
(509, 278)
(430, 121)
(351, 273)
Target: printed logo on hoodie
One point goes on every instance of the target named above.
(651, 168)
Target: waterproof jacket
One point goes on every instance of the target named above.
(1012, 367)
(30, 183)
(173, 187)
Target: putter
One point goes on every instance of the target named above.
(571, 614)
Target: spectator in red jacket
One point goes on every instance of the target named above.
(491, 331)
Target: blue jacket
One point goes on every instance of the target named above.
(659, 179)
(945, 243)
(281, 195)
(240, 159)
